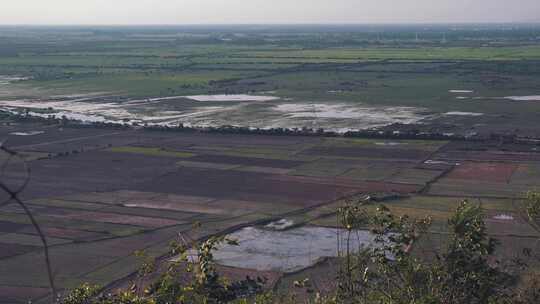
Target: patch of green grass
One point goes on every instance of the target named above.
(400, 53)
(526, 174)
(466, 188)
(445, 204)
(151, 152)
(67, 204)
(500, 204)
(427, 145)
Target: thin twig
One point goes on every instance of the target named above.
(14, 196)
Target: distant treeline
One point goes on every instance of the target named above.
(391, 132)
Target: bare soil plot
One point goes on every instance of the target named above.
(358, 169)
(20, 294)
(253, 151)
(11, 249)
(163, 205)
(72, 234)
(239, 206)
(178, 206)
(488, 172)
(231, 140)
(173, 215)
(93, 171)
(435, 165)
(159, 205)
(268, 170)
(151, 151)
(246, 186)
(114, 218)
(371, 173)
(414, 176)
(354, 185)
(323, 168)
(29, 240)
(107, 229)
(110, 198)
(247, 161)
(206, 165)
(73, 261)
(55, 139)
(6, 226)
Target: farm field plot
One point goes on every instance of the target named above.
(446, 186)
(488, 172)
(102, 204)
(499, 156)
(527, 174)
(133, 192)
(137, 189)
(496, 179)
(487, 169)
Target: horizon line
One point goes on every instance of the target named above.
(273, 24)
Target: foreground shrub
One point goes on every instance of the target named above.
(389, 273)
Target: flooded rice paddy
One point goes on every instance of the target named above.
(255, 111)
(289, 250)
(461, 91)
(524, 98)
(238, 97)
(458, 113)
(264, 110)
(29, 133)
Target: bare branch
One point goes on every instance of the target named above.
(13, 196)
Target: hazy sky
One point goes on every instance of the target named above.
(265, 11)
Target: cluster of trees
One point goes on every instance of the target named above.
(389, 273)
(369, 133)
(396, 131)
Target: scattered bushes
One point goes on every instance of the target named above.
(389, 273)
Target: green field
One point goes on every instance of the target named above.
(333, 69)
